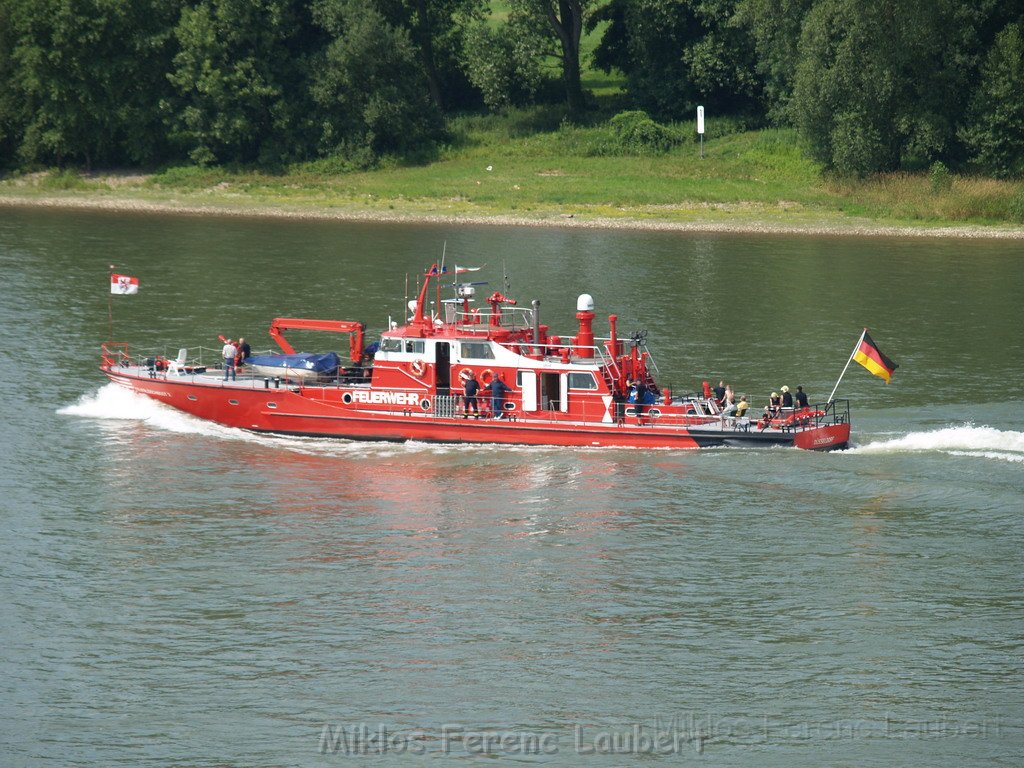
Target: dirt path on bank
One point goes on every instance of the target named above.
(576, 220)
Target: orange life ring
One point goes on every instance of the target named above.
(418, 367)
(486, 375)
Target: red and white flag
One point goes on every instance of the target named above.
(460, 270)
(124, 284)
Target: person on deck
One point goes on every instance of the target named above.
(719, 392)
(498, 389)
(741, 407)
(730, 409)
(229, 352)
(787, 398)
(774, 405)
(470, 388)
(801, 398)
(244, 352)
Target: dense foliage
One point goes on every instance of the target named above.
(870, 85)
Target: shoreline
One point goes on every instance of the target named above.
(312, 212)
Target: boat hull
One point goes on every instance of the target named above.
(310, 411)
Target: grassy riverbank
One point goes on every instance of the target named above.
(516, 168)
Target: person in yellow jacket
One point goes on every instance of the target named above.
(741, 407)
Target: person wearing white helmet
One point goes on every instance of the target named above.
(787, 398)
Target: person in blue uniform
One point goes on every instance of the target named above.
(470, 389)
(498, 389)
(639, 395)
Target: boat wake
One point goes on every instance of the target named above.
(113, 403)
(117, 403)
(965, 440)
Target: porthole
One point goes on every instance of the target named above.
(655, 412)
(193, 398)
(232, 402)
(425, 404)
(347, 398)
(271, 405)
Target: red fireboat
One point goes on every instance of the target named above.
(411, 384)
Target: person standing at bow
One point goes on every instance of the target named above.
(229, 352)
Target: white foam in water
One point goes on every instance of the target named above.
(965, 440)
(112, 402)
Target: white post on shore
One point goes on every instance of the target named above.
(850, 360)
(700, 129)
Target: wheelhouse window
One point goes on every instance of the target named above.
(415, 346)
(477, 350)
(390, 345)
(581, 380)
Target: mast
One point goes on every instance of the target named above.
(850, 360)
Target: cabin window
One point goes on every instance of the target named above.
(390, 345)
(415, 346)
(477, 350)
(580, 380)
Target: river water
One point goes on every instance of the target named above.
(177, 593)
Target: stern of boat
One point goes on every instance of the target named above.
(830, 430)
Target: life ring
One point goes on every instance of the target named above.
(418, 367)
(486, 375)
(465, 374)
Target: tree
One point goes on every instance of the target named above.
(10, 128)
(565, 19)
(882, 83)
(239, 76)
(504, 64)
(995, 134)
(83, 79)
(774, 26)
(370, 89)
(677, 53)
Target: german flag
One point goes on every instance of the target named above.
(870, 356)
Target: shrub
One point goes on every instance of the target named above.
(1016, 208)
(63, 179)
(940, 177)
(635, 132)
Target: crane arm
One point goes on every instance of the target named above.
(355, 330)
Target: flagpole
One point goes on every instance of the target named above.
(110, 306)
(437, 285)
(854, 352)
